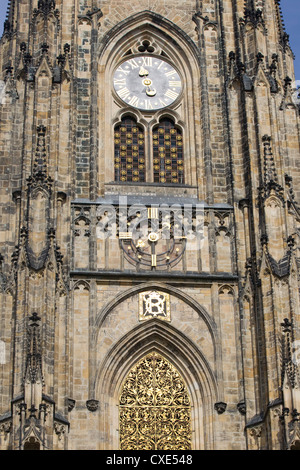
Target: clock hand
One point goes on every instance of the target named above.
(153, 238)
(150, 91)
(140, 243)
(143, 72)
(147, 82)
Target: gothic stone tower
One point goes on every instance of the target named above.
(149, 226)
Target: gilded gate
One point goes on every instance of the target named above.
(155, 410)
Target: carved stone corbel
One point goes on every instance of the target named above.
(92, 405)
(220, 407)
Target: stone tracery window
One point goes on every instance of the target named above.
(167, 153)
(129, 141)
(130, 157)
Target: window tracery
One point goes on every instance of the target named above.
(129, 141)
(168, 153)
(121, 52)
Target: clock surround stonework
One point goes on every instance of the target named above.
(149, 226)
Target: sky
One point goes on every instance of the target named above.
(291, 16)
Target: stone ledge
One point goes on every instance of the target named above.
(182, 277)
(151, 189)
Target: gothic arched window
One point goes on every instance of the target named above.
(129, 151)
(32, 444)
(167, 153)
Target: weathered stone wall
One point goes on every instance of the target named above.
(69, 284)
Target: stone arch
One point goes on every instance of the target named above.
(124, 41)
(85, 21)
(274, 226)
(178, 46)
(132, 112)
(210, 27)
(143, 25)
(81, 285)
(169, 113)
(211, 325)
(227, 289)
(178, 350)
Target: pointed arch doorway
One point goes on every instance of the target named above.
(154, 407)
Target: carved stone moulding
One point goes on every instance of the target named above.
(5, 428)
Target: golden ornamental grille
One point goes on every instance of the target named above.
(129, 142)
(154, 408)
(168, 153)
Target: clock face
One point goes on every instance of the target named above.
(155, 240)
(147, 83)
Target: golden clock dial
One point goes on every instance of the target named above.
(147, 83)
(153, 241)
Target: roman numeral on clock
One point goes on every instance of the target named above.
(169, 74)
(147, 61)
(134, 101)
(124, 93)
(120, 81)
(163, 103)
(171, 94)
(133, 63)
(126, 72)
(148, 104)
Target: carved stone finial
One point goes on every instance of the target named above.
(44, 48)
(260, 57)
(67, 48)
(286, 325)
(34, 358)
(34, 319)
(39, 175)
(270, 177)
(295, 415)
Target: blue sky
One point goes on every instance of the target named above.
(291, 15)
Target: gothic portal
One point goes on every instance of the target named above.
(149, 226)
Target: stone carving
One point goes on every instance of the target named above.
(92, 405)
(154, 304)
(220, 407)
